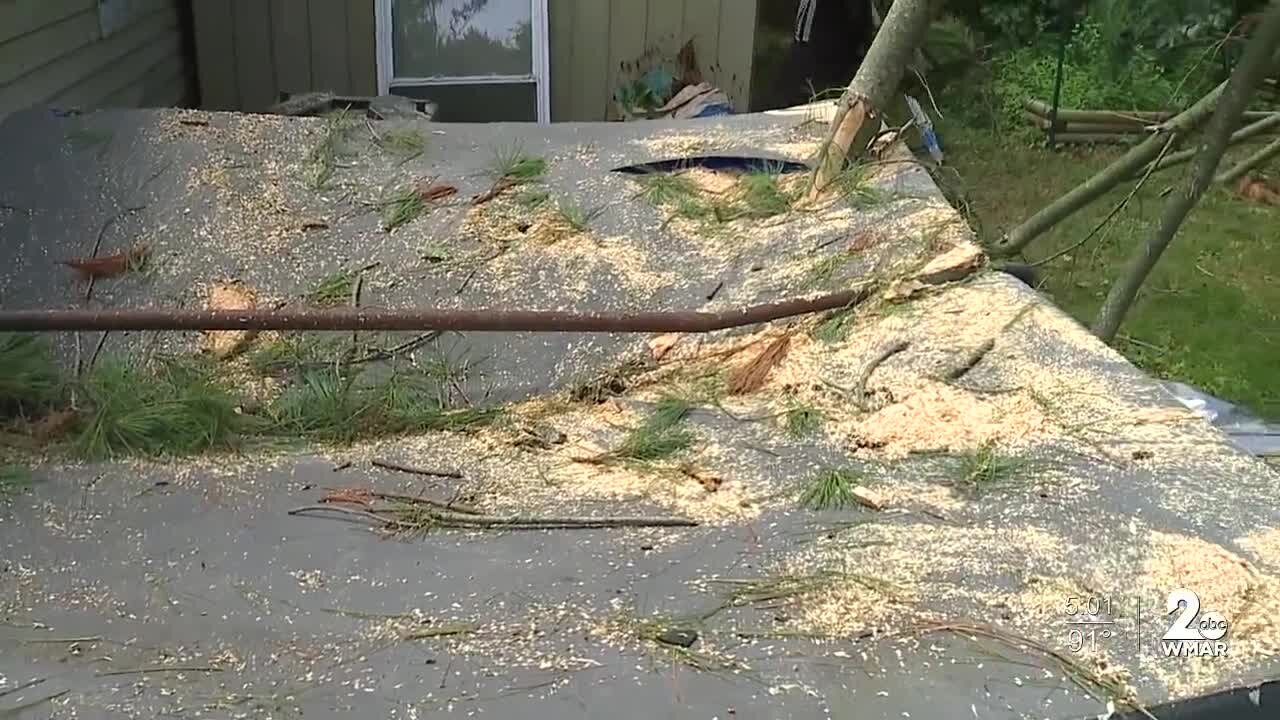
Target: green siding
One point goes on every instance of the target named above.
(53, 52)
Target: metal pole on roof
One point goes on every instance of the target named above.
(422, 320)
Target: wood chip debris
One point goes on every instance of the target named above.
(222, 344)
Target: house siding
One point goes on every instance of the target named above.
(252, 51)
(621, 32)
(53, 52)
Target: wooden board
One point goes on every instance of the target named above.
(330, 71)
(254, 58)
(291, 45)
(215, 43)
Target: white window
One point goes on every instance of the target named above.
(477, 59)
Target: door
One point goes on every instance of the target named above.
(478, 60)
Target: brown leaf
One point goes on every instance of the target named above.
(350, 496)
(54, 426)
(1258, 190)
(429, 192)
(222, 344)
(752, 376)
(864, 241)
(661, 345)
(108, 266)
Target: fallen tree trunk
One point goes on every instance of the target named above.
(859, 117)
(1229, 176)
(1253, 66)
(1133, 117)
(1115, 173)
(1252, 130)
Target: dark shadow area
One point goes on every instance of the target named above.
(805, 48)
(715, 162)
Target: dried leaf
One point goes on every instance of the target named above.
(661, 345)
(108, 266)
(222, 344)
(54, 426)
(1257, 189)
(352, 496)
(436, 191)
(752, 376)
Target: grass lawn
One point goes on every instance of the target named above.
(1209, 314)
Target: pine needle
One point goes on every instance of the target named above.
(752, 376)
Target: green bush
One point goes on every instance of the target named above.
(1095, 76)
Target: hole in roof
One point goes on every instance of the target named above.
(725, 163)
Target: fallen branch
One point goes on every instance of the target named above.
(859, 390)
(150, 669)
(1114, 211)
(23, 686)
(500, 186)
(459, 628)
(387, 465)
(61, 641)
(461, 520)
(968, 362)
(1101, 183)
(1245, 133)
(1227, 177)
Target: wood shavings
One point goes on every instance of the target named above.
(942, 418)
(222, 344)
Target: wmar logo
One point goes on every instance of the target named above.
(1192, 634)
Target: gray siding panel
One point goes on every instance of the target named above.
(253, 56)
(330, 63)
(362, 47)
(291, 45)
(216, 54)
(55, 63)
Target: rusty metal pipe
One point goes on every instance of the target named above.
(420, 320)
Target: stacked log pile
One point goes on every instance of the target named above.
(1104, 126)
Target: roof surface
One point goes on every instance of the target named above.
(191, 578)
